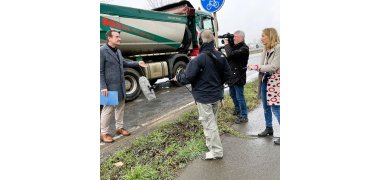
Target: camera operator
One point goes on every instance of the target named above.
(237, 56)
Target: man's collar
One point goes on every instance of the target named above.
(207, 46)
(239, 44)
(113, 49)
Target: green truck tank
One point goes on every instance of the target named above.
(165, 38)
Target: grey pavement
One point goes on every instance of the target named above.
(252, 159)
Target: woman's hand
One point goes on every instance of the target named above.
(253, 67)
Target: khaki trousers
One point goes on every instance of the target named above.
(105, 117)
(207, 116)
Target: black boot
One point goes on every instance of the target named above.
(236, 113)
(241, 120)
(267, 131)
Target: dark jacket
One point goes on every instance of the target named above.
(237, 57)
(112, 70)
(206, 75)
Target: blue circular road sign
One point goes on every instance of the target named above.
(212, 5)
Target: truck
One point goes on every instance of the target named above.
(165, 38)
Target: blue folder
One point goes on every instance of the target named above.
(110, 100)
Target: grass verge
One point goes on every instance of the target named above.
(161, 153)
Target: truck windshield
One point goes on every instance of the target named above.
(207, 23)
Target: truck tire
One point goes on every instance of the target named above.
(132, 87)
(178, 67)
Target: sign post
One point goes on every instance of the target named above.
(216, 28)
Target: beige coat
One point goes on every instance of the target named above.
(271, 65)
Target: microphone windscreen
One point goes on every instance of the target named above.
(146, 88)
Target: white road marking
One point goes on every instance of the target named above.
(139, 100)
(114, 138)
(164, 92)
(165, 115)
(117, 137)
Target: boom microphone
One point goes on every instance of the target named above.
(146, 88)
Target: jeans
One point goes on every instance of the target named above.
(237, 95)
(269, 109)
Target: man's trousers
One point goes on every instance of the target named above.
(207, 116)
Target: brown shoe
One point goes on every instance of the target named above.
(106, 138)
(123, 132)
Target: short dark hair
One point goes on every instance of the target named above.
(109, 34)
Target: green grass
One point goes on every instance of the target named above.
(161, 153)
(141, 172)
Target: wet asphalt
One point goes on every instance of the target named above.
(251, 159)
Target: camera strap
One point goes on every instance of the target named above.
(218, 65)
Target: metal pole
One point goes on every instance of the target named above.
(216, 29)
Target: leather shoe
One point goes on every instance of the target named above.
(106, 138)
(266, 132)
(123, 132)
(241, 120)
(277, 141)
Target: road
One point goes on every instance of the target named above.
(170, 99)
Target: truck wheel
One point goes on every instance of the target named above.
(132, 87)
(178, 67)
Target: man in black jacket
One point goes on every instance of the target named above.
(207, 73)
(237, 56)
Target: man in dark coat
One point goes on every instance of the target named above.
(112, 66)
(237, 56)
(207, 74)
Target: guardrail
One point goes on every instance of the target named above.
(251, 51)
(255, 51)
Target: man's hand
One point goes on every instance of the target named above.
(104, 92)
(142, 64)
(225, 41)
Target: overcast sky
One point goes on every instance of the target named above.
(251, 16)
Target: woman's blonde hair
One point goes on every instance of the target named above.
(274, 39)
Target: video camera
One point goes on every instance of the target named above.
(228, 36)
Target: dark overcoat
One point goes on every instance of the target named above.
(112, 70)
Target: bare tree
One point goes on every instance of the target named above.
(158, 3)
(105, 1)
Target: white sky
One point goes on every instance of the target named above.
(251, 16)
